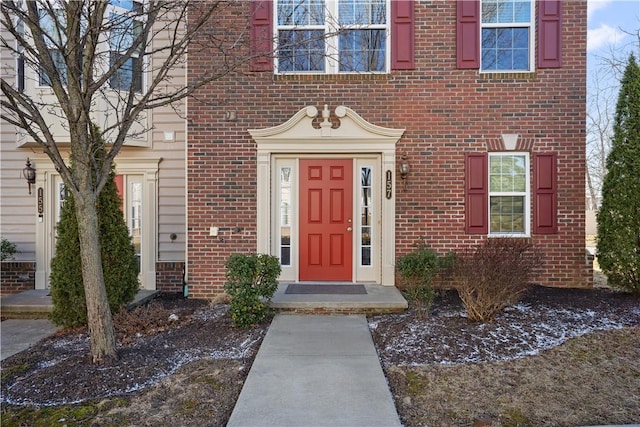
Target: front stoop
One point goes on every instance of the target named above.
(36, 303)
(378, 300)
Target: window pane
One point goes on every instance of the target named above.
(301, 12)
(362, 12)
(128, 76)
(507, 174)
(61, 67)
(285, 215)
(362, 50)
(301, 50)
(135, 219)
(506, 11)
(125, 30)
(366, 211)
(507, 214)
(505, 49)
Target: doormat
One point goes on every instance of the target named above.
(307, 289)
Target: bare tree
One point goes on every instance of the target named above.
(90, 56)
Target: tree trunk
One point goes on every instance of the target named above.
(101, 331)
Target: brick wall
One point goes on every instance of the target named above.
(169, 276)
(446, 112)
(17, 276)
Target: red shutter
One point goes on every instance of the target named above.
(119, 180)
(476, 194)
(261, 36)
(468, 34)
(402, 38)
(545, 198)
(549, 33)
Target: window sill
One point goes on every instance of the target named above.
(508, 236)
(508, 75)
(331, 77)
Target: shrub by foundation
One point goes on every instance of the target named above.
(251, 283)
(494, 275)
(417, 269)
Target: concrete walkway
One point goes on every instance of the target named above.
(20, 334)
(316, 371)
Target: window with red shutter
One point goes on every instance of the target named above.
(476, 195)
(362, 37)
(549, 33)
(545, 203)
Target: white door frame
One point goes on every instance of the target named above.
(352, 137)
(45, 225)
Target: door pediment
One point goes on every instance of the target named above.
(351, 132)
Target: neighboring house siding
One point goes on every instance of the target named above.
(164, 146)
(447, 112)
(15, 224)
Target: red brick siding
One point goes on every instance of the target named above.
(446, 112)
(169, 276)
(17, 276)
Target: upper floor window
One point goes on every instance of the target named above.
(54, 36)
(507, 40)
(332, 36)
(126, 27)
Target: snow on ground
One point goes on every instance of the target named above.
(448, 337)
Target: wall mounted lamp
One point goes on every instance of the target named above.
(404, 170)
(29, 174)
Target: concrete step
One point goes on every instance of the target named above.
(377, 300)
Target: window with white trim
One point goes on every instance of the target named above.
(509, 194)
(126, 21)
(55, 39)
(332, 36)
(507, 35)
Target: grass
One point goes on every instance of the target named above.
(593, 379)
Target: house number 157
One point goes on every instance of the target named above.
(389, 185)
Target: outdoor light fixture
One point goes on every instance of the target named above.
(404, 171)
(29, 174)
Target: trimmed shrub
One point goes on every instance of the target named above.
(251, 283)
(418, 268)
(119, 262)
(494, 275)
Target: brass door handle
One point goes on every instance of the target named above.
(349, 229)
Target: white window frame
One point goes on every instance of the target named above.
(526, 195)
(40, 74)
(532, 38)
(332, 26)
(124, 12)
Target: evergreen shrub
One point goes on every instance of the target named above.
(418, 269)
(619, 214)
(119, 261)
(251, 283)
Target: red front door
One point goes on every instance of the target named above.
(326, 192)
